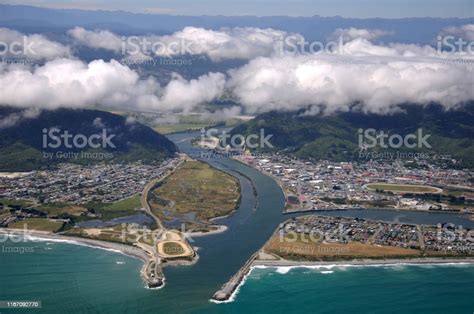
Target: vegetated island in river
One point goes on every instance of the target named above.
(188, 195)
(318, 241)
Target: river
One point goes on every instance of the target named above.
(92, 280)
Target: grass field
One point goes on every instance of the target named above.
(196, 188)
(191, 122)
(38, 224)
(400, 188)
(180, 127)
(122, 208)
(126, 206)
(129, 203)
(57, 209)
(312, 250)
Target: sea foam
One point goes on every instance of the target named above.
(328, 269)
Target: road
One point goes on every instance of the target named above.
(149, 186)
(144, 200)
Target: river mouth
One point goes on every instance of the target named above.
(259, 214)
(90, 279)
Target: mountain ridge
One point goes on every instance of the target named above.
(336, 137)
(24, 134)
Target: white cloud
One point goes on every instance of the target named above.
(73, 83)
(17, 117)
(222, 114)
(372, 76)
(218, 45)
(130, 120)
(464, 31)
(348, 34)
(226, 43)
(97, 39)
(35, 46)
(375, 77)
(98, 123)
(104, 39)
(180, 93)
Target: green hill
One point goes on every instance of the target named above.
(22, 139)
(336, 137)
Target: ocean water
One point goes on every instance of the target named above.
(387, 289)
(69, 278)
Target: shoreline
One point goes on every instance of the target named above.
(230, 289)
(364, 262)
(220, 229)
(130, 251)
(110, 246)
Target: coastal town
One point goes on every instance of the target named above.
(80, 184)
(157, 248)
(426, 238)
(323, 241)
(330, 185)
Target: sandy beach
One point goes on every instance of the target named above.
(109, 246)
(220, 229)
(363, 262)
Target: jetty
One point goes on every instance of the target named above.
(230, 286)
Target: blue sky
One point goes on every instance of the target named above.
(346, 8)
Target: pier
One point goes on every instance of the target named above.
(229, 287)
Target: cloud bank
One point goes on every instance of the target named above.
(359, 74)
(348, 34)
(373, 78)
(227, 43)
(35, 46)
(102, 39)
(465, 31)
(75, 84)
(17, 117)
